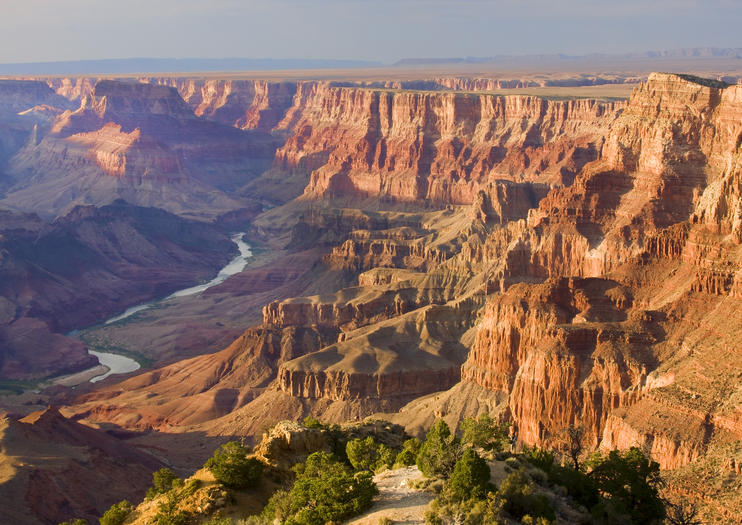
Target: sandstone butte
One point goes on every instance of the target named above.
(554, 262)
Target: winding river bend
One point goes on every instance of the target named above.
(119, 364)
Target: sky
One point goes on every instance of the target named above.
(383, 30)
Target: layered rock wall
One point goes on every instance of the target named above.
(439, 147)
(244, 104)
(491, 84)
(563, 352)
(661, 203)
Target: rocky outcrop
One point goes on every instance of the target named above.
(351, 308)
(363, 254)
(397, 387)
(206, 387)
(670, 450)
(72, 88)
(287, 443)
(665, 161)
(329, 226)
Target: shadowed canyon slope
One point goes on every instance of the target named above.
(437, 254)
(56, 469)
(84, 267)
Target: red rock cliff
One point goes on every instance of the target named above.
(441, 147)
(659, 213)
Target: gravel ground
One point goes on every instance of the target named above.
(396, 501)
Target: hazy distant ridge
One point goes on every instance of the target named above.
(173, 65)
(693, 52)
(117, 66)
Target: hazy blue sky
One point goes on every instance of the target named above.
(40, 30)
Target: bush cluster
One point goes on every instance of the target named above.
(617, 488)
(485, 433)
(168, 512)
(117, 513)
(231, 466)
(325, 490)
(408, 455)
(162, 481)
(367, 454)
(439, 452)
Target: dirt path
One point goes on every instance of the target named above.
(396, 501)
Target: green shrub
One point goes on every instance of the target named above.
(162, 481)
(278, 507)
(78, 521)
(440, 451)
(363, 454)
(578, 484)
(312, 422)
(231, 466)
(629, 482)
(387, 456)
(539, 457)
(190, 488)
(445, 511)
(367, 454)
(484, 433)
(512, 462)
(519, 499)
(167, 511)
(408, 455)
(325, 490)
(117, 513)
(470, 477)
(530, 520)
(173, 518)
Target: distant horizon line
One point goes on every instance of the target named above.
(132, 65)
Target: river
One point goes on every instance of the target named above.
(119, 364)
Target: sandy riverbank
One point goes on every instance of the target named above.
(79, 378)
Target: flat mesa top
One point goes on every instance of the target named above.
(601, 92)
